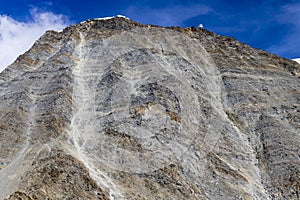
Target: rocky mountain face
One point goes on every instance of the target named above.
(113, 109)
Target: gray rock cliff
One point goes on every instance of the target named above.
(114, 109)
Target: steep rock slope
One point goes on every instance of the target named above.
(113, 109)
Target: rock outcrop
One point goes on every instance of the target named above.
(113, 109)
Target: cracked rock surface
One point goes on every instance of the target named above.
(114, 109)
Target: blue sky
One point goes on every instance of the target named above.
(270, 25)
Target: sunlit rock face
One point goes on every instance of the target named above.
(113, 109)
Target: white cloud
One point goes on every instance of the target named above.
(17, 37)
(169, 16)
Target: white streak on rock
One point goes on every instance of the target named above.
(82, 121)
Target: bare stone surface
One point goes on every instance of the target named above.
(113, 109)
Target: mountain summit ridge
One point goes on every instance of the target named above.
(114, 109)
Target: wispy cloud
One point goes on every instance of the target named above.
(168, 16)
(290, 44)
(16, 37)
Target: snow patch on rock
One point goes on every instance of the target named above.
(107, 18)
(297, 60)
